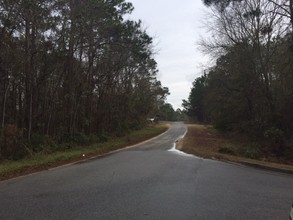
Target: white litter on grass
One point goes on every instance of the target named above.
(83, 155)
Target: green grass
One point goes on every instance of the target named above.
(9, 169)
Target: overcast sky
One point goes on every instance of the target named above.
(176, 27)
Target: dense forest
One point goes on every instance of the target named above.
(167, 113)
(250, 87)
(70, 67)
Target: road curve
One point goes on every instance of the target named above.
(149, 182)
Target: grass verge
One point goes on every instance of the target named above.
(206, 142)
(11, 169)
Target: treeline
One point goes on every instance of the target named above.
(250, 87)
(167, 113)
(69, 67)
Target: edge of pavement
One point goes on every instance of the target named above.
(264, 165)
(83, 160)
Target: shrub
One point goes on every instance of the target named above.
(103, 138)
(81, 138)
(78, 138)
(11, 142)
(252, 153)
(276, 140)
(275, 135)
(42, 143)
(227, 149)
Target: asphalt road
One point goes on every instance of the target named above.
(149, 182)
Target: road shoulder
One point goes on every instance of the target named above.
(39, 163)
(201, 142)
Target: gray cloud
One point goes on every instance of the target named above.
(176, 28)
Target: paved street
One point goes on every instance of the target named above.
(149, 182)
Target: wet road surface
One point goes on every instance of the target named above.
(149, 181)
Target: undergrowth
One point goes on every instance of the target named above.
(50, 154)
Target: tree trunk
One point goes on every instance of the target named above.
(4, 104)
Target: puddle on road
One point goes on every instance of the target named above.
(179, 152)
(174, 150)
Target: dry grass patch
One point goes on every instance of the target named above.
(204, 141)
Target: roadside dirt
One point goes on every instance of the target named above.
(205, 142)
(202, 138)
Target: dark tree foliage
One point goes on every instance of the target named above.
(221, 3)
(167, 113)
(73, 67)
(250, 87)
(216, 2)
(195, 106)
